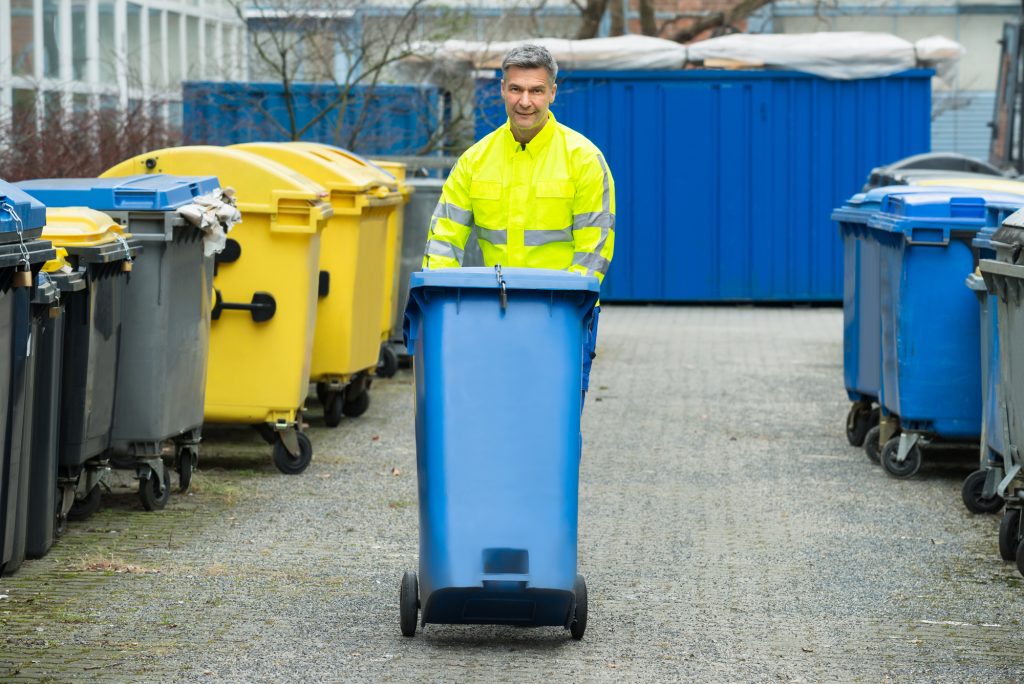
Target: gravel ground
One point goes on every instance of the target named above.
(727, 532)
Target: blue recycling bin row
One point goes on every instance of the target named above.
(918, 342)
(105, 291)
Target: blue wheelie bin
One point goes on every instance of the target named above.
(931, 378)
(22, 255)
(498, 361)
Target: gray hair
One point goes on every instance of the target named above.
(530, 57)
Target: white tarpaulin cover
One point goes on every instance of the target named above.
(838, 54)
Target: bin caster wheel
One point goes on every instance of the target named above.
(904, 470)
(859, 421)
(334, 408)
(321, 393)
(185, 465)
(152, 494)
(357, 405)
(409, 603)
(1009, 534)
(387, 365)
(971, 493)
(83, 509)
(293, 465)
(871, 446)
(579, 619)
(1020, 558)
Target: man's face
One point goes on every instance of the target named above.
(528, 94)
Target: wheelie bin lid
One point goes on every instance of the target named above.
(334, 151)
(930, 218)
(17, 206)
(261, 185)
(156, 192)
(859, 207)
(486, 278)
(337, 173)
(89, 234)
(30, 251)
(987, 183)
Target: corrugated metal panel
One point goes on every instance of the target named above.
(389, 119)
(726, 180)
(962, 122)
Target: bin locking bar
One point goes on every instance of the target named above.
(262, 308)
(23, 272)
(501, 284)
(126, 265)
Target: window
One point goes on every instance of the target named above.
(156, 50)
(51, 38)
(22, 46)
(134, 45)
(23, 111)
(107, 48)
(79, 49)
(192, 49)
(173, 48)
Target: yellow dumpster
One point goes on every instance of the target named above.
(393, 309)
(346, 346)
(265, 287)
(991, 184)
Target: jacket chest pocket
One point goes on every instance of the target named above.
(554, 203)
(487, 207)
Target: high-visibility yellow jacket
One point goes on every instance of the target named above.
(547, 204)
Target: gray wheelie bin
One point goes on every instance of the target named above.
(22, 255)
(99, 249)
(165, 335)
(45, 507)
(1004, 277)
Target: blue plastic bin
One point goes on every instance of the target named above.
(165, 325)
(931, 377)
(498, 444)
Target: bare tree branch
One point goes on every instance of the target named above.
(734, 14)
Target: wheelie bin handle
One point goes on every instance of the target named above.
(126, 265)
(23, 272)
(262, 308)
(501, 284)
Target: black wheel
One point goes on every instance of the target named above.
(334, 409)
(858, 422)
(321, 393)
(1020, 558)
(387, 365)
(293, 465)
(1009, 534)
(910, 465)
(85, 508)
(152, 494)
(357, 405)
(871, 446)
(579, 620)
(971, 493)
(185, 466)
(409, 603)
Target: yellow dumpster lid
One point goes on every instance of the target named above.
(334, 172)
(260, 184)
(80, 227)
(343, 156)
(992, 184)
(58, 263)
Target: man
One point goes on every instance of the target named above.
(538, 193)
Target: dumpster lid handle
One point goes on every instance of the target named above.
(501, 285)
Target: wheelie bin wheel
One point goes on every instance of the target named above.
(972, 491)
(409, 603)
(334, 409)
(1009, 531)
(185, 463)
(859, 420)
(387, 365)
(579, 620)
(871, 446)
(293, 465)
(1020, 558)
(357, 405)
(152, 494)
(904, 470)
(83, 509)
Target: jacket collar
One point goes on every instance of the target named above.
(540, 141)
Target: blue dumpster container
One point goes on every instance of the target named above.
(931, 378)
(22, 255)
(498, 367)
(165, 322)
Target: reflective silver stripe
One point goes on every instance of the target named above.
(495, 237)
(464, 217)
(590, 261)
(535, 238)
(438, 248)
(606, 197)
(594, 219)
